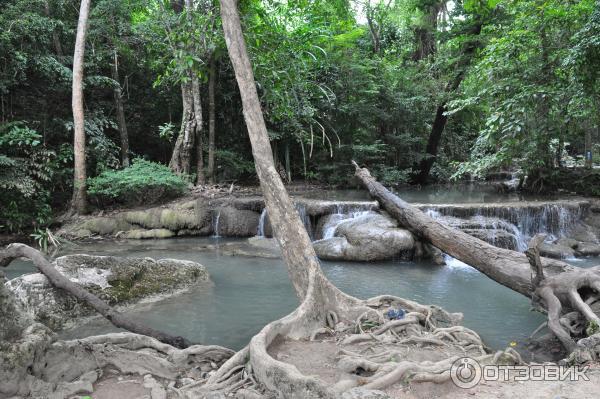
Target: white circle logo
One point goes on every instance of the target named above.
(465, 372)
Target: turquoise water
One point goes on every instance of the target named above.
(250, 292)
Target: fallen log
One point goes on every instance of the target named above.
(555, 287)
(14, 251)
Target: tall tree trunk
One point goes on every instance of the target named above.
(374, 28)
(439, 123)
(118, 97)
(55, 38)
(210, 169)
(425, 34)
(182, 153)
(79, 201)
(297, 249)
(199, 128)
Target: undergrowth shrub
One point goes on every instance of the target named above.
(143, 182)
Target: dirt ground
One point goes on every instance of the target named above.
(318, 359)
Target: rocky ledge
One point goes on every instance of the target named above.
(118, 281)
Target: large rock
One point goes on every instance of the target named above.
(22, 341)
(587, 249)
(559, 250)
(368, 237)
(584, 233)
(191, 218)
(233, 222)
(118, 281)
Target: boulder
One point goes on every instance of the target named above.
(499, 238)
(22, 341)
(192, 217)
(587, 249)
(198, 218)
(556, 250)
(232, 222)
(104, 225)
(584, 233)
(118, 281)
(368, 237)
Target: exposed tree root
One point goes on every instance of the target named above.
(14, 251)
(567, 294)
(69, 367)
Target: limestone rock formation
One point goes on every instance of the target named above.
(118, 281)
(369, 237)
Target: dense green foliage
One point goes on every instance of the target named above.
(338, 80)
(143, 182)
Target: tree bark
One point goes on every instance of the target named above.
(297, 249)
(59, 281)
(199, 129)
(118, 97)
(554, 286)
(375, 30)
(79, 201)
(55, 38)
(439, 123)
(425, 35)
(210, 169)
(182, 153)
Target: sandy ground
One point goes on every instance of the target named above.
(319, 359)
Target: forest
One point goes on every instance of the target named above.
(197, 196)
(421, 91)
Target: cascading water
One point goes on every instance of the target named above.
(522, 222)
(338, 218)
(216, 225)
(261, 223)
(305, 217)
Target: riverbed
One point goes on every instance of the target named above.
(249, 292)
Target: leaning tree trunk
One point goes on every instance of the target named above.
(59, 281)
(569, 295)
(79, 201)
(118, 98)
(324, 309)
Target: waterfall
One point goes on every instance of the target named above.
(521, 221)
(261, 223)
(305, 217)
(338, 218)
(216, 225)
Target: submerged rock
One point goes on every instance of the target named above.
(368, 237)
(118, 281)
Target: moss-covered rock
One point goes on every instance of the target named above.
(104, 225)
(118, 281)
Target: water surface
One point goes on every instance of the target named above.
(250, 292)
